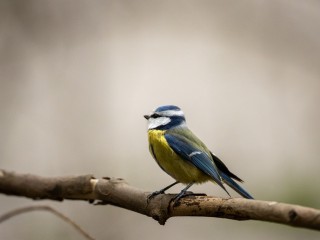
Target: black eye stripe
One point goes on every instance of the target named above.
(155, 115)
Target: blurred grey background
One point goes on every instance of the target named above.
(76, 78)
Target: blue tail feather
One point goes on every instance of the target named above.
(229, 181)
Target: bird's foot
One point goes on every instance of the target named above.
(152, 195)
(183, 194)
(162, 191)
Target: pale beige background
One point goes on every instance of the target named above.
(76, 78)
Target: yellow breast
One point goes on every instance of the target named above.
(170, 162)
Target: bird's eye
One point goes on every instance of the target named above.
(155, 115)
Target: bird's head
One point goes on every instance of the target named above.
(166, 117)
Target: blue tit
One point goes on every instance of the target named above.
(183, 156)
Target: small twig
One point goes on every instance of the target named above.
(18, 211)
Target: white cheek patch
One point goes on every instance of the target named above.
(156, 122)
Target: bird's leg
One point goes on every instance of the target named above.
(152, 195)
(182, 194)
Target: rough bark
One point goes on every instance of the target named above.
(117, 192)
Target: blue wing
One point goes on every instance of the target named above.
(195, 155)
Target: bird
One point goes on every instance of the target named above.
(183, 156)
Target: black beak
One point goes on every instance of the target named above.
(146, 117)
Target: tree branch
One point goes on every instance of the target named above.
(117, 192)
